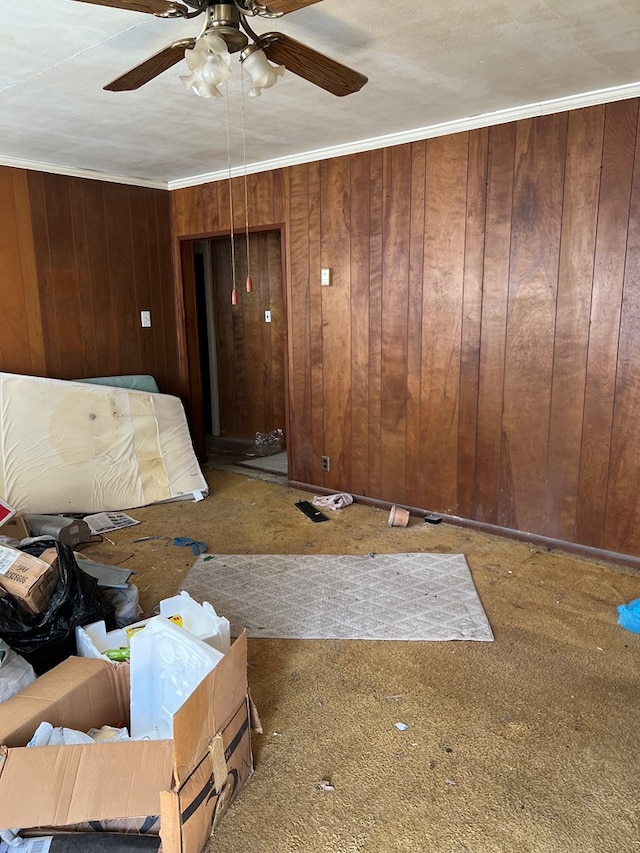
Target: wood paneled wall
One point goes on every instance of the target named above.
(21, 343)
(104, 254)
(79, 260)
(477, 353)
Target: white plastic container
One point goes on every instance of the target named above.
(167, 664)
(201, 620)
(92, 641)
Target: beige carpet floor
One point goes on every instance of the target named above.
(529, 743)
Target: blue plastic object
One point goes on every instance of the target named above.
(629, 616)
(197, 547)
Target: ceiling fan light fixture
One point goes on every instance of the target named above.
(198, 87)
(209, 62)
(262, 73)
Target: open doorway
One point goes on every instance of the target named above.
(242, 351)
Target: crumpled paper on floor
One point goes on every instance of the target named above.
(338, 501)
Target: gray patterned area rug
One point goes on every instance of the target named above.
(374, 597)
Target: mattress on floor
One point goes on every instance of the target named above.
(74, 447)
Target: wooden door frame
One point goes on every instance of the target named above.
(188, 344)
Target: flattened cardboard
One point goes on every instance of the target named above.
(131, 779)
(73, 784)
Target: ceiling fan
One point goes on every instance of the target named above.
(226, 31)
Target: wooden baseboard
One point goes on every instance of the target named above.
(626, 560)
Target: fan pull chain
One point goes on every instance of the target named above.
(234, 291)
(249, 282)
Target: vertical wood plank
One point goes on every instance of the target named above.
(376, 170)
(102, 300)
(298, 321)
(121, 274)
(260, 189)
(164, 292)
(222, 312)
(181, 207)
(579, 219)
(85, 316)
(500, 171)
(36, 363)
(335, 224)
(64, 297)
(471, 319)
(316, 326)
(256, 340)
(535, 249)
(196, 210)
(210, 209)
(622, 531)
(18, 353)
(621, 120)
(414, 448)
(395, 319)
(447, 165)
(280, 195)
(141, 279)
(166, 360)
(276, 334)
(359, 274)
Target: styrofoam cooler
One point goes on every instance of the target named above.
(201, 620)
(167, 664)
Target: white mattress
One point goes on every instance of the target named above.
(73, 447)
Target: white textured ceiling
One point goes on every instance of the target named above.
(428, 63)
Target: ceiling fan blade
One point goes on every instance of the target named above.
(313, 66)
(152, 7)
(151, 67)
(284, 6)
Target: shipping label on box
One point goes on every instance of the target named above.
(30, 580)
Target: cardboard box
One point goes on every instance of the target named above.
(30, 580)
(15, 528)
(189, 781)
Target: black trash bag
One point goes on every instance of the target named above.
(47, 639)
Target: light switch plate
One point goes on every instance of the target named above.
(325, 276)
(145, 319)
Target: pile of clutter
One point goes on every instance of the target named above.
(157, 709)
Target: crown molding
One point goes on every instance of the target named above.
(90, 174)
(538, 108)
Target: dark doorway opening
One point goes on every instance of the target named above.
(242, 347)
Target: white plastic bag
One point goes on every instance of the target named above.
(15, 672)
(48, 735)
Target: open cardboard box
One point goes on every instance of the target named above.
(189, 781)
